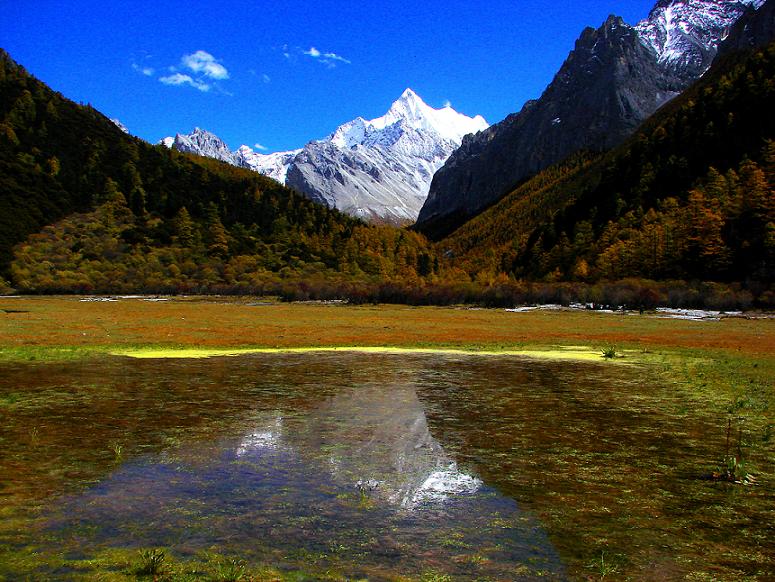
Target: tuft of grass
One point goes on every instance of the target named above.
(603, 567)
(151, 562)
(229, 571)
(609, 353)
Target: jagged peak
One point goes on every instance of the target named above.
(408, 94)
(614, 21)
(408, 106)
(412, 111)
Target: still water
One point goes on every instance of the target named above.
(372, 465)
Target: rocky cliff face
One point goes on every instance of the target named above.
(203, 143)
(615, 77)
(754, 29)
(685, 34)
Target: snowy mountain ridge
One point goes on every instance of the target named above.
(685, 34)
(378, 169)
(381, 169)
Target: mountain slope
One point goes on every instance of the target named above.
(379, 170)
(614, 79)
(690, 195)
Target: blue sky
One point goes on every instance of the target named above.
(280, 73)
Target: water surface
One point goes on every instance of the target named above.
(371, 465)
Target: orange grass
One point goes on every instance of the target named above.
(241, 322)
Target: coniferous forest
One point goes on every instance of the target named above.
(683, 213)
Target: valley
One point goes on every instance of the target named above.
(419, 348)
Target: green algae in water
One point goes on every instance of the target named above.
(369, 465)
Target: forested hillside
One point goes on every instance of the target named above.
(118, 214)
(689, 196)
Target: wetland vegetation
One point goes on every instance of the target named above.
(462, 456)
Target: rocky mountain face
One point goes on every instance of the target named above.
(685, 34)
(203, 143)
(379, 170)
(273, 165)
(754, 29)
(616, 77)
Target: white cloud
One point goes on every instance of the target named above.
(266, 78)
(206, 64)
(181, 79)
(336, 57)
(200, 69)
(328, 59)
(147, 71)
(258, 146)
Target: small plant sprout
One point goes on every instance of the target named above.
(603, 567)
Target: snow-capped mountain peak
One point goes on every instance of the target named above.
(382, 168)
(120, 125)
(685, 34)
(415, 113)
(350, 134)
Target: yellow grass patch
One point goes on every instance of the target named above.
(560, 353)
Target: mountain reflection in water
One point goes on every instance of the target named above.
(374, 438)
(291, 459)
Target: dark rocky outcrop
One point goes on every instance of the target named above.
(755, 28)
(608, 85)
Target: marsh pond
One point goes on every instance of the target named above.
(378, 466)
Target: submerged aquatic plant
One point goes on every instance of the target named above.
(117, 449)
(151, 562)
(34, 436)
